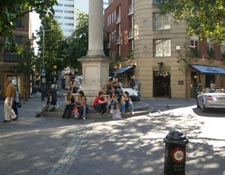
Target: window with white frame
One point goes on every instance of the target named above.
(114, 15)
(161, 22)
(162, 48)
(194, 43)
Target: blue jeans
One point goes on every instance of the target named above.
(83, 110)
(127, 105)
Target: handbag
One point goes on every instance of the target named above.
(75, 112)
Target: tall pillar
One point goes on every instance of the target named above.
(95, 30)
(95, 66)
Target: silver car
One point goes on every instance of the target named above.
(211, 99)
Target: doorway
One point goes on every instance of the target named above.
(161, 84)
(209, 79)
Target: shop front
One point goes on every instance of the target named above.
(203, 76)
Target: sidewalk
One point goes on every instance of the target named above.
(132, 146)
(33, 106)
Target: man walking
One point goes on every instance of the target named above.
(10, 94)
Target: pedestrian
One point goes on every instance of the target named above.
(126, 103)
(10, 94)
(100, 103)
(81, 104)
(69, 101)
(16, 100)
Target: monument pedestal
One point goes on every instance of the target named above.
(95, 72)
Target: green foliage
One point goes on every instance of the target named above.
(11, 11)
(50, 41)
(205, 18)
(77, 44)
(184, 57)
(27, 59)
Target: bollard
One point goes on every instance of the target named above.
(175, 153)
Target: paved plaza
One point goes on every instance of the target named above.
(133, 146)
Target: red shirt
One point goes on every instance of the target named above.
(97, 99)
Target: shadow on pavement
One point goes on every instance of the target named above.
(210, 112)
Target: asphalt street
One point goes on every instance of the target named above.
(134, 146)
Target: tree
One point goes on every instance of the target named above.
(26, 65)
(204, 18)
(51, 37)
(77, 43)
(11, 11)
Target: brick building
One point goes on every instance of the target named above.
(118, 28)
(168, 62)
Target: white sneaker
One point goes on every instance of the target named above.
(132, 112)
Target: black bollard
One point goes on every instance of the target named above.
(175, 153)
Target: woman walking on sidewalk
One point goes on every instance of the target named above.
(10, 94)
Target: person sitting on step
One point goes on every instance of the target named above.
(126, 103)
(100, 103)
(81, 104)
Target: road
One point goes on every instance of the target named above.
(134, 146)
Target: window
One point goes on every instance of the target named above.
(68, 5)
(69, 24)
(58, 17)
(162, 48)
(67, 17)
(158, 1)
(13, 56)
(59, 11)
(194, 43)
(161, 22)
(68, 11)
(19, 22)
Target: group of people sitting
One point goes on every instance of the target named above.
(76, 106)
(110, 98)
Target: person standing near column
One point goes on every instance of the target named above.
(10, 94)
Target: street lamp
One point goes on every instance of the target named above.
(43, 71)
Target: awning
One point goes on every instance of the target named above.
(123, 69)
(208, 69)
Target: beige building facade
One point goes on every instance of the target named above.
(158, 42)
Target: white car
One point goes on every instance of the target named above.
(211, 99)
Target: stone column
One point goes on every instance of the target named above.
(95, 66)
(95, 30)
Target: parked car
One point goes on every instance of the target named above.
(211, 99)
(134, 94)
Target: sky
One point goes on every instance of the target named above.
(82, 5)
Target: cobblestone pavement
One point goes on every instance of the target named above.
(134, 146)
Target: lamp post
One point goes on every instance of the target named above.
(43, 71)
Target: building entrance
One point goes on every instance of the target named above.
(161, 84)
